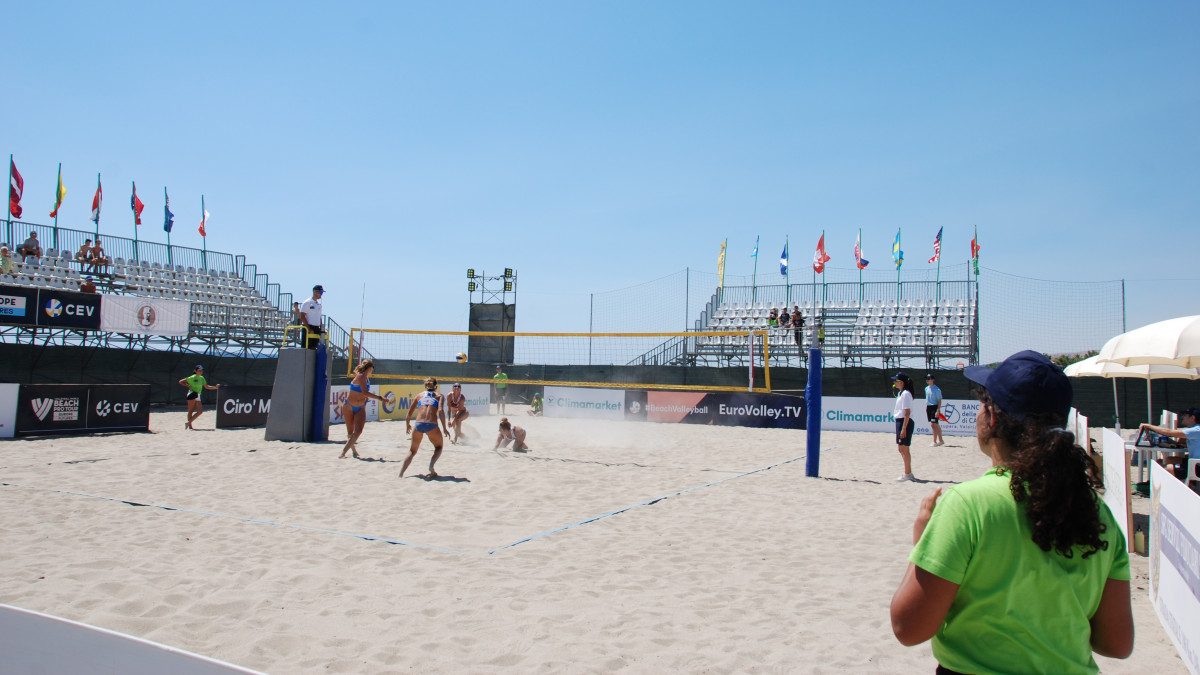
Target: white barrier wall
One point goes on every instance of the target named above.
(1175, 562)
(1116, 483)
(601, 404)
(8, 409)
(31, 642)
(858, 413)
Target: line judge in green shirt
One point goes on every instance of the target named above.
(196, 384)
(500, 383)
(1024, 569)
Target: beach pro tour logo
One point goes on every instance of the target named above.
(41, 407)
(64, 409)
(12, 305)
(54, 308)
(146, 316)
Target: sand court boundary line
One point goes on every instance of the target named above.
(486, 552)
(638, 505)
(248, 520)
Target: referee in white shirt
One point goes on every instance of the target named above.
(310, 314)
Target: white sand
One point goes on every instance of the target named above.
(766, 572)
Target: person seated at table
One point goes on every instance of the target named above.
(31, 247)
(84, 255)
(99, 261)
(1188, 432)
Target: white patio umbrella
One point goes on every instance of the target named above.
(1174, 342)
(1094, 367)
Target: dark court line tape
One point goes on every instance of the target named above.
(645, 502)
(251, 521)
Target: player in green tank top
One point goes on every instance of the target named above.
(196, 384)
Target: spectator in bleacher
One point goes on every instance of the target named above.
(31, 248)
(88, 286)
(785, 319)
(84, 255)
(773, 318)
(311, 317)
(99, 261)
(7, 264)
(1188, 432)
(797, 325)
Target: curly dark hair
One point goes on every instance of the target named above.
(1055, 479)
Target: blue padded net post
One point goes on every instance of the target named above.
(812, 402)
(319, 431)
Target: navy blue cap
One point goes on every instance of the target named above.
(902, 376)
(1024, 383)
(1194, 412)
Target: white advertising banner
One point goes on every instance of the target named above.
(144, 316)
(337, 397)
(478, 398)
(1175, 562)
(859, 413)
(8, 409)
(601, 404)
(1116, 483)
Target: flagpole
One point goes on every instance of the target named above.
(135, 219)
(938, 280)
(203, 237)
(56, 204)
(899, 262)
(98, 206)
(787, 294)
(8, 218)
(166, 208)
(753, 278)
(859, 266)
(824, 289)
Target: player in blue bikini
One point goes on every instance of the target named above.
(354, 410)
(429, 408)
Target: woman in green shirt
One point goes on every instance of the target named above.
(1023, 570)
(196, 384)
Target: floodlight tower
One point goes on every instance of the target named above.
(493, 313)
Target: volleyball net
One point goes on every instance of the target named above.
(597, 360)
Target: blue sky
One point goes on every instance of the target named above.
(598, 145)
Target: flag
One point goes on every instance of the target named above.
(137, 206)
(59, 194)
(721, 265)
(168, 217)
(754, 253)
(783, 260)
(897, 254)
(16, 187)
(97, 199)
(860, 261)
(820, 257)
(937, 247)
(975, 251)
(203, 222)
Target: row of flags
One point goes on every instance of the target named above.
(821, 255)
(16, 190)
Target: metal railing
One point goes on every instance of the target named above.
(16, 232)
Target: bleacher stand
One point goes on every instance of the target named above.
(219, 299)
